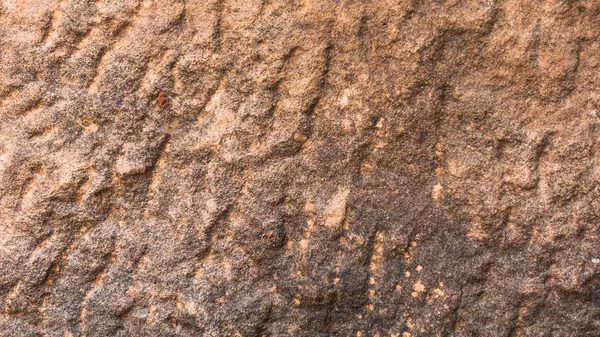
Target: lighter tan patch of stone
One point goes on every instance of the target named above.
(436, 191)
(336, 210)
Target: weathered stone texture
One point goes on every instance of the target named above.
(299, 168)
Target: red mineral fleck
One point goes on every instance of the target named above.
(162, 100)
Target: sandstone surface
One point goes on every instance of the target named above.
(299, 168)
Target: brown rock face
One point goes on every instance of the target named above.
(299, 168)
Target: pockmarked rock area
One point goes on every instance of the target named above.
(299, 168)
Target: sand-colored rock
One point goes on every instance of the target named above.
(299, 168)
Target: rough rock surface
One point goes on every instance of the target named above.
(299, 168)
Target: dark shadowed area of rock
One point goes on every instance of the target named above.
(383, 168)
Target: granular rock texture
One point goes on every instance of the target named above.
(299, 168)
